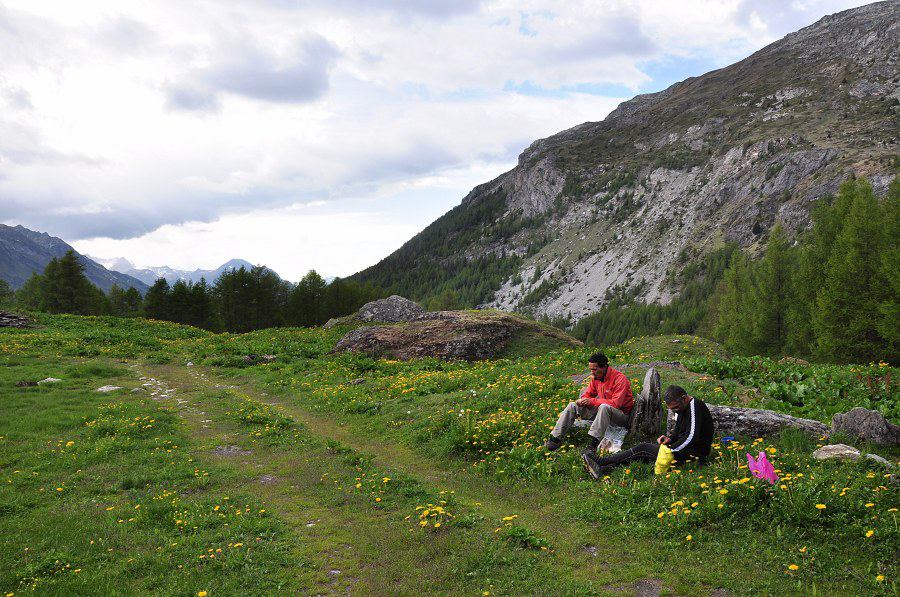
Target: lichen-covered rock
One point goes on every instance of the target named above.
(867, 425)
(391, 309)
(451, 335)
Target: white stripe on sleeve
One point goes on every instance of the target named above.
(691, 433)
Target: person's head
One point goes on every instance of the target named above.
(598, 364)
(676, 399)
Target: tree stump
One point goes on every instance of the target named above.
(646, 416)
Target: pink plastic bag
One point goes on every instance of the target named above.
(762, 468)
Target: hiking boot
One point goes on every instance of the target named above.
(594, 468)
(552, 444)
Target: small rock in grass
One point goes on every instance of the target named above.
(837, 451)
(880, 460)
(268, 479)
(49, 380)
(108, 389)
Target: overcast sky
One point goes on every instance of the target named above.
(316, 133)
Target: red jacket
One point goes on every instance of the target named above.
(614, 389)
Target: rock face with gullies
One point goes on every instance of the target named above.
(452, 335)
(867, 425)
(391, 309)
(625, 204)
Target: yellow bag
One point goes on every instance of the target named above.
(664, 460)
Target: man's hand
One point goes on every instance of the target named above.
(583, 402)
(662, 440)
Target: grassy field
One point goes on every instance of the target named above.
(335, 474)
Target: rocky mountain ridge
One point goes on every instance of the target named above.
(24, 252)
(622, 206)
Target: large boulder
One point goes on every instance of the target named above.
(453, 335)
(391, 310)
(756, 422)
(867, 425)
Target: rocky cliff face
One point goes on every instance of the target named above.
(622, 205)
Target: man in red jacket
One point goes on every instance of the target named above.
(607, 400)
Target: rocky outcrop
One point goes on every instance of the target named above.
(391, 309)
(452, 335)
(756, 422)
(867, 425)
(11, 320)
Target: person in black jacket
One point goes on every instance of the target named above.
(691, 439)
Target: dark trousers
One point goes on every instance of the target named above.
(639, 453)
(645, 453)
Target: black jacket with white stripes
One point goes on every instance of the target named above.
(693, 433)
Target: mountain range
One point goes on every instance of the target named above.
(625, 207)
(24, 252)
(149, 275)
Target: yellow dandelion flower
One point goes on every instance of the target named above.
(793, 567)
(821, 506)
(869, 533)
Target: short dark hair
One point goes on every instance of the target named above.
(600, 359)
(675, 394)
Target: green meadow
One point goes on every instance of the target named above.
(319, 473)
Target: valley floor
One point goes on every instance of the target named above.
(333, 475)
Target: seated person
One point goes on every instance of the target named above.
(690, 440)
(607, 399)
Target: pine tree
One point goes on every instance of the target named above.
(6, 293)
(889, 307)
(28, 296)
(156, 301)
(306, 303)
(734, 326)
(76, 294)
(180, 303)
(828, 220)
(769, 296)
(201, 306)
(847, 313)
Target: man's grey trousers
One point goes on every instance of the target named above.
(602, 417)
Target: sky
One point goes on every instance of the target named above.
(317, 134)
